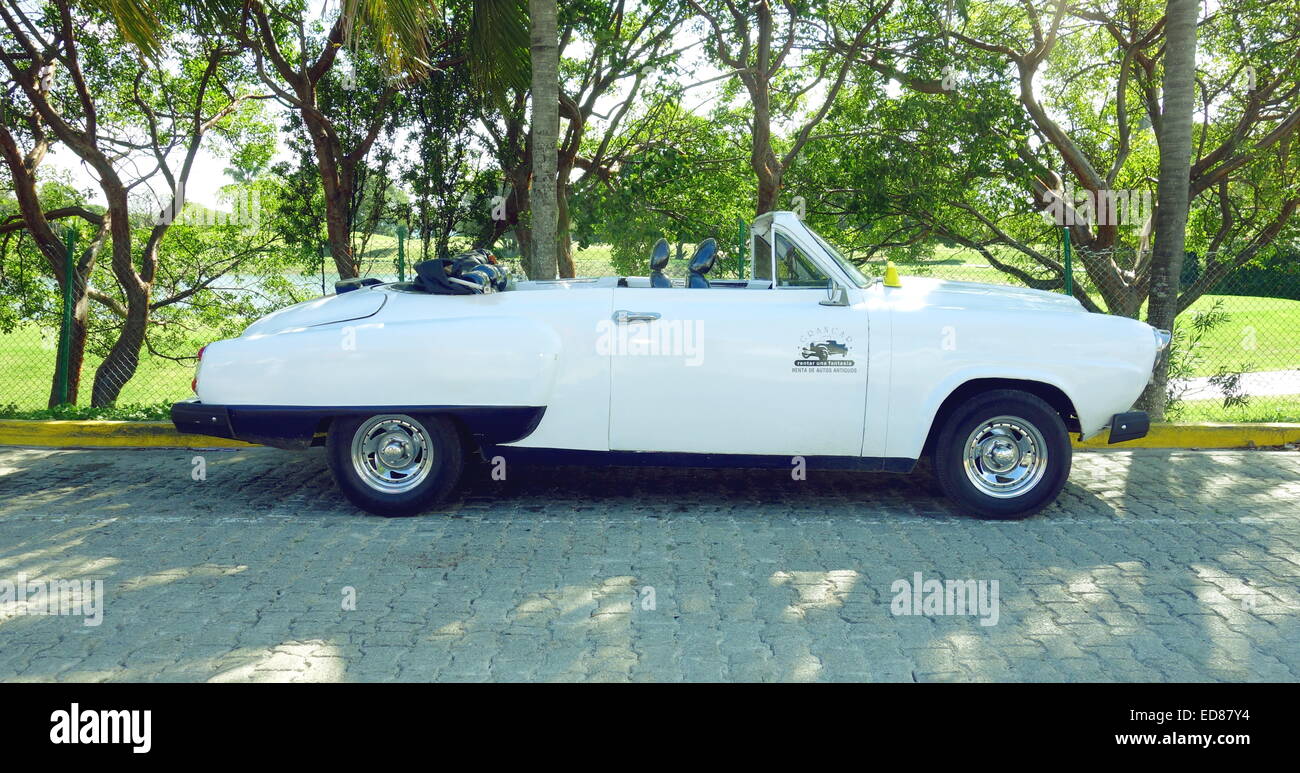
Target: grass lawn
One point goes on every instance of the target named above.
(1284, 408)
(1259, 334)
(27, 366)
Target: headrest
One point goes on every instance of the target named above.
(659, 255)
(704, 256)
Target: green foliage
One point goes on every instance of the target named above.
(66, 412)
(679, 179)
(1186, 351)
(439, 175)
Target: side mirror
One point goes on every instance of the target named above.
(836, 295)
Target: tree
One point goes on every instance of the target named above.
(544, 124)
(668, 173)
(70, 69)
(37, 218)
(400, 38)
(755, 42)
(616, 43)
(1175, 138)
(39, 212)
(1079, 136)
(439, 175)
(623, 43)
(297, 76)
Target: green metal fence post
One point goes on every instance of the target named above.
(1069, 267)
(65, 335)
(401, 253)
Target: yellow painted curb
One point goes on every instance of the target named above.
(105, 434)
(1205, 436)
(161, 434)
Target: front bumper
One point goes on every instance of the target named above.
(278, 426)
(1129, 426)
(194, 418)
(1163, 340)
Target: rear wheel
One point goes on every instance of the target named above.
(1004, 454)
(394, 464)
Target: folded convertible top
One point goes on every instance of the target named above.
(469, 273)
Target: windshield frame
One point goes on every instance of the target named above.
(850, 270)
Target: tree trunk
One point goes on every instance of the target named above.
(80, 316)
(339, 236)
(120, 364)
(515, 217)
(524, 243)
(1175, 141)
(336, 184)
(769, 186)
(564, 247)
(545, 128)
(762, 157)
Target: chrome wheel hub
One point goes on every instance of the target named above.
(1005, 457)
(999, 454)
(396, 452)
(392, 454)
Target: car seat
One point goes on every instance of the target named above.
(705, 256)
(658, 262)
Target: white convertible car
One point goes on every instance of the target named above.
(808, 363)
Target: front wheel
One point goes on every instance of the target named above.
(394, 464)
(1004, 454)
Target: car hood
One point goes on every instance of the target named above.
(924, 291)
(357, 304)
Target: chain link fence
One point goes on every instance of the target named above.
(1236, 350)
(134, 368)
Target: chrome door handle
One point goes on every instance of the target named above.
(623, 316)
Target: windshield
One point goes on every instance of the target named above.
(855, 274)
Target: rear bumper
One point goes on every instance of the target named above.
(1129, 426)
(296, 427)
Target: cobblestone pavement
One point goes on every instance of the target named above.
(1153, 565)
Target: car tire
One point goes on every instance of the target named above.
(395, 464)
(1003, 455)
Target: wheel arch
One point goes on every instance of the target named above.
(1048, 393)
